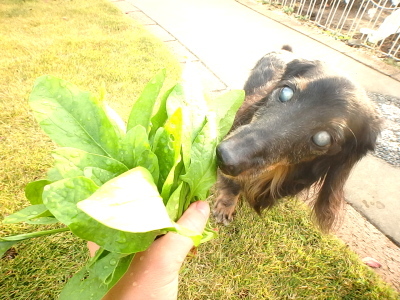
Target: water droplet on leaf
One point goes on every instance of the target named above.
(113, 262)
(74, 154)
(69, 184)
(121, 240)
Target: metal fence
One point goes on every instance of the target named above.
(371, 23)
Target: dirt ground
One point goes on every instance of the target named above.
(367, 241)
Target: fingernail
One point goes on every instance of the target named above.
(203, 207)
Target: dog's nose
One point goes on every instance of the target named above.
(227, 160)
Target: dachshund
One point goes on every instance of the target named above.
(301, 125)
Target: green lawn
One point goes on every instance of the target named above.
(93, 45)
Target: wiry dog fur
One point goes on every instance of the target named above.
(301, 125)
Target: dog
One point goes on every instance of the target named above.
(301, 125)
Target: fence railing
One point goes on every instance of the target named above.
(371, 23)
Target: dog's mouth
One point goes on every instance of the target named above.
(249, 169)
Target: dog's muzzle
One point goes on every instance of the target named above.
(229, 162)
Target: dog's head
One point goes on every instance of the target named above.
(301, 124)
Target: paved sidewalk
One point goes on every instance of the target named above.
(225, 38)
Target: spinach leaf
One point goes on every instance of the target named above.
(42, 221)
(201, 174)
(142, 109)
(7, 241)
(34, 190)
(96, 278)
(193, 116)
(136, 151)
(121, 186)
(72, 162)
(99, 176)
(172, 205)
(164, 150)
(27, 213)
(116, 205)
(173, 127)
(61, 199)
(73, 118)
(225, 107)
(159, 118)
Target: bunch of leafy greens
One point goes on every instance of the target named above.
(122, 185)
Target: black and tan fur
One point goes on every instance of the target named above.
(270, 152)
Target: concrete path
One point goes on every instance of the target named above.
(226, 37)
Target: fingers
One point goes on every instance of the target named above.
(93, 247)
(154, 272)
(196, 216)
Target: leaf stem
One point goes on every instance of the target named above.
(25, 236)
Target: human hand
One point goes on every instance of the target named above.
(153, 274)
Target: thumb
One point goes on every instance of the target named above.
(196, 216)
(174, 246)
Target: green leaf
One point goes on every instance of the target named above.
(161, 116)
(54, 175)
(34, 190)
(142, 109)
(194, 110)
(99, 176)
(173, 127)
(5, 245)
(116, 206)
(225, 107)
(202, 172)
(27, 213)
(61, 198)
(189, 96)
(163, 148)
(7, 241)
(25, 236)
(43, 221)
(95, 279)
(208, 234)
(72, 162)
(73, 118)
(115, 119)
(172, 205)
(136, 151)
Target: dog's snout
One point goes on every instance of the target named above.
(228, 162)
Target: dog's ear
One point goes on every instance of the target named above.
(334, 172)
(268, 71)
(330, 197)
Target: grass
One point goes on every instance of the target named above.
(91, 44)
(279, 256)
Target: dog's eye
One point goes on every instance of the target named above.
(286, 94)
(322, 138)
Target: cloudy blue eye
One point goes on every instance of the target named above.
(322, 138)
(286, 94)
